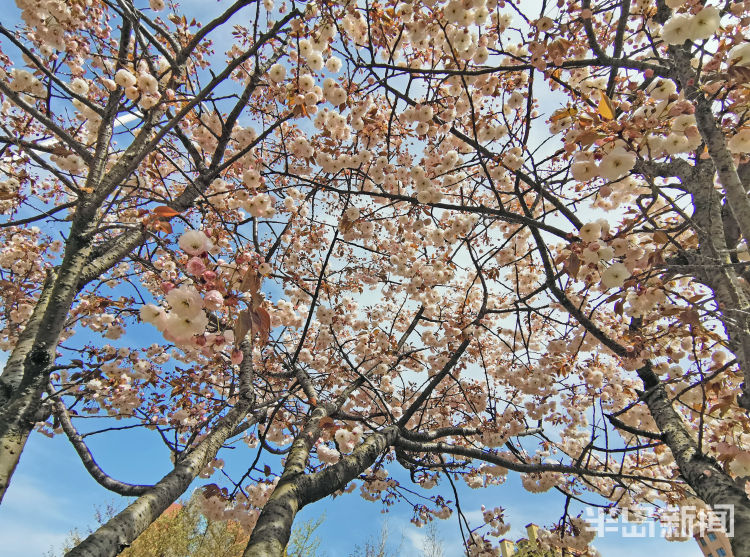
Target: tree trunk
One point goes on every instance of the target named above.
(274, 526)
(20, 411)
(16, 424)
(735, 197)
(703, 474)
(12, 373)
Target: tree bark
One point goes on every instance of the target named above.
(16, 424)
(13, 372)
(703, 474)
(734, 191)
(274, 526)
(20, 411)
(81, 264)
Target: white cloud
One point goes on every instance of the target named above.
(416, 539)
(24, 498)
(32, 520)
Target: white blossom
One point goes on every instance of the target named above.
(616, 164)
(615, 276)
(590, 232)
(185, 301)
(277, 73)
(194, 242)
(705, 23)
(677, 29)
(333, 64)
(124, 78)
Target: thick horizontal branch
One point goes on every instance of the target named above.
(522, 467)
(475, 209)
(619, 424)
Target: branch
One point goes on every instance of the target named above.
(107, 482)
(437, 378)
(119, 532)
(706, 476)
(313, 487)
(619, 424)
(46, 122)
(40, 216)
(522, 467)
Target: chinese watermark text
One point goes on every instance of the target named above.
(639, 522)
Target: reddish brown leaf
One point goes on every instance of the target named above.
(250, 282)
(165, 212)
(690, 316)
(242, 326)
(257, 300)
(265, 322)
(163, 226)
(254, 321)
(741, 74)
(61, 151)
(615, 296)
(573, 265)
(211, 490)
(346, 225)
(722, 406)
(587, 138)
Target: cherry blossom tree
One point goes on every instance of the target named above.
(459, 238)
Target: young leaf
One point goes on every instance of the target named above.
(606, 109)
(242, 326)
(165, 212)
(265, 322)
(561, 113)
(250, 282)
